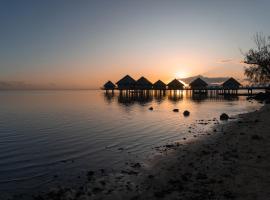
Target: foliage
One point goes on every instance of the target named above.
(258, 60)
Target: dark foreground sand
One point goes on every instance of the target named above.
(233, 162)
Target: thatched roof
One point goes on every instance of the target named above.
(175, 85)
(109, 85)
(198, 83)
(231, 83)
(143, 83)
(159, 85)
(126, 82)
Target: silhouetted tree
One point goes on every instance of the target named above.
(258, 60)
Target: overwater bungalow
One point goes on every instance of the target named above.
(159, 85)
(231, 86)
(175, 85)
(143, 84)
(198, 86)
(109, 86)
(126, 83)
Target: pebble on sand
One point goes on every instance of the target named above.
(151, 108)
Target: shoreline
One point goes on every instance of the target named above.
(229, 162)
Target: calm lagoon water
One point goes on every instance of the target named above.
(51, 137)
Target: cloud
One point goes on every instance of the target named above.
(225, 60)
(231, 61)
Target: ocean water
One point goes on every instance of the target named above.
(53, 137)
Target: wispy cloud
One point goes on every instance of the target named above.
(225, 60)
(231, 61)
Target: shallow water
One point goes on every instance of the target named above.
(51, 137)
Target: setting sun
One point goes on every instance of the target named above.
(182, 74)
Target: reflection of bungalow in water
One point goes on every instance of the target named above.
(126, 83)
(109, 96)
(175, 85)
(134, 97)
(159, 85)
(174, 96)
(109, 86)
(198, 86)
(231, 86)
(143, 84)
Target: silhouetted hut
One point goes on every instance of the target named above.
(231, 86)
(159, 85)
(198, 86)
(126, 83)
(143, 84)
(109, 86)
(175, 85)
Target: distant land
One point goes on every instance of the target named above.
(209, 80)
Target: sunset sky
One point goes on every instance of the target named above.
(80, 43)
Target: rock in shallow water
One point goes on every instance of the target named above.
(186, 113)
(176, 110)
(224, 116)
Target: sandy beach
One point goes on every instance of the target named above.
(231, 161)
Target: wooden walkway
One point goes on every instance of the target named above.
(219, 90)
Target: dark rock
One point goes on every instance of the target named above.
(186, 113)
(129, 172)
(150, 176)
(136, 165)
(262, 96)
(169, 145)
(255, 137)
(151, 108)
(224, 116)
(90, 174)
(176, 110)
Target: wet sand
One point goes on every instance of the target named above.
(232, 161)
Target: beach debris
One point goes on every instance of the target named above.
(186, 113)
(176, 110)
(151, 108)
(224, 116)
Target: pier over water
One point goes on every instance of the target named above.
(128, 85)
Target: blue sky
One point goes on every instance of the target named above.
(84, 43)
